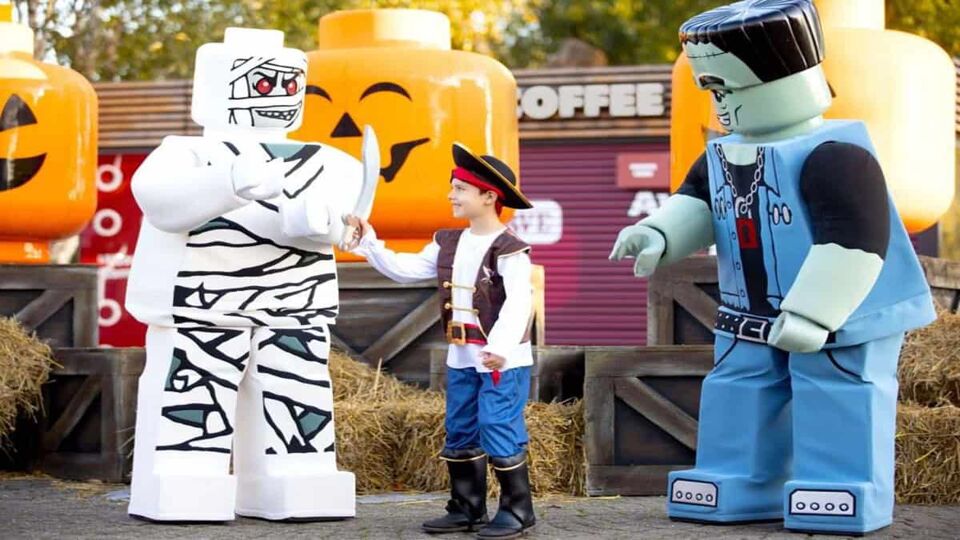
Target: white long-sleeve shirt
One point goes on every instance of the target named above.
(505, 336)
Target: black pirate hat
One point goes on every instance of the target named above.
(492, 171)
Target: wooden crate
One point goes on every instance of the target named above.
(90, 408)
(641, 406)
(59, 302)
(397, 325)
(944, 278)
(684, 297)
(560, 371)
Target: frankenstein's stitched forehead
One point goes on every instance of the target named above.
(774, 38)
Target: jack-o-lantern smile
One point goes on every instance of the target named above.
(17, 171)
(347, 127)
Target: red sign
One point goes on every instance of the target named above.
(109, 241)
(648, 170)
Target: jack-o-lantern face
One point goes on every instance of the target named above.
(16, 171)
(48, 155)
(346, 126)
(392, 69)
(48, 148)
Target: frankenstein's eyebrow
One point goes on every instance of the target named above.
(707, 80)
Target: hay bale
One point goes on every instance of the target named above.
(353, 380)
(418, 439)
(929, 369)
(928, 455)
(364, 445)
(390, 435)
(25, 364)
(557, 459)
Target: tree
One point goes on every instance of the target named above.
(628, 31)
(157, 39)
(936, 20)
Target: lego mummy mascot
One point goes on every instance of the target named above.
(235, 275)
(818, 284)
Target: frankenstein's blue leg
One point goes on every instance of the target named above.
(743, 443)
(845, 406)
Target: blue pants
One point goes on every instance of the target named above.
(804, 437)
(481, 414)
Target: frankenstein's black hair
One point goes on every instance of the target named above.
(774, 38)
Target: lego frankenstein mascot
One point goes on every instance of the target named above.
(234, 273)
(818, 284)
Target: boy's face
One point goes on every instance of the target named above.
(469, 202)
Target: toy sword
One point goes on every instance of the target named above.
(370, 154)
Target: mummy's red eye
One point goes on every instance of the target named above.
(264, 86)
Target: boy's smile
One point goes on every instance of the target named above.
(468, 201)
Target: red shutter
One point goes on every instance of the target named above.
(589, 299)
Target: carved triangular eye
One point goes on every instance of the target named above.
(15, 114)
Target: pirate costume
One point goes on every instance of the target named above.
(484, 282)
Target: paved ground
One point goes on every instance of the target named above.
(34, 507)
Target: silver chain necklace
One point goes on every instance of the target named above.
(742, 204)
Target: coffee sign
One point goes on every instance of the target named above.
(618, 100)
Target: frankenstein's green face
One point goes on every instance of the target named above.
(744, 103)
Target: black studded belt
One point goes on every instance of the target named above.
(744, 327)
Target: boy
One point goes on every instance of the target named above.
(483, 273)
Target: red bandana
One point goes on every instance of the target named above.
(466, 176)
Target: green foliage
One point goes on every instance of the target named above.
(628, 31)
(936, 20)
(156, 39)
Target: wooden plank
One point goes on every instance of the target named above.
(337, 342)
(86, 318)
(45, 276)
(539, 323)
(697, 303)
(941, 273)
(438, 369)
(418, 321)
(660, 311)
(656, 361)
(559, 357)
(117, 371)
(696, 269)
(364, 276)
(659, 410)
(558, 369)
(569, 75)
(598, 415)
(629, 480)
(42, 308)
(84, 466)
(73, 412)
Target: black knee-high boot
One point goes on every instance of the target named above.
(467, 507)
(515, 514)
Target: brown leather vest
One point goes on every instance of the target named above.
(488, 291)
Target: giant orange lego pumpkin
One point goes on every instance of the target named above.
(394, 69)
(48, 156)
(902, 86)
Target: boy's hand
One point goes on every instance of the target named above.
(492, 361)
